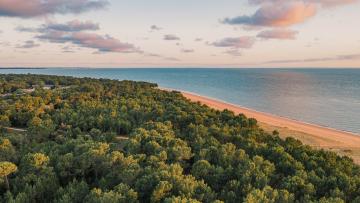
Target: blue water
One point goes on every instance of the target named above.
(327, 97)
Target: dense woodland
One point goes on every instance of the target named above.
(99, 140)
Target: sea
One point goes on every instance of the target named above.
(325, 97)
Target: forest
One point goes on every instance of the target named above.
(66, 139)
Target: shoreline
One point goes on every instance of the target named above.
(342, 142)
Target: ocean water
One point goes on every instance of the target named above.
(326, 97)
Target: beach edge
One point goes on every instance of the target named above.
(320, 137)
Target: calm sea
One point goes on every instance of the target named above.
(327, 97)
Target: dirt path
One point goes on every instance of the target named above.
(15, 129)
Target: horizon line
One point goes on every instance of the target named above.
(169, 67)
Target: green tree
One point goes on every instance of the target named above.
(161, 191)
(7, 150)
(4, 121)
(7, 168)
(40, 129)
(39, 160)
(269, 195)
(180, 200)
(121, 193)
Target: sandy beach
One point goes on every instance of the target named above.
(344, 143)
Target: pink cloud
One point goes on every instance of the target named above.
(324, 3)
(277, 15)
(89, 40)
(104, 44)
(331, 3)
(283, 13)
(75, 32)
(278, 34)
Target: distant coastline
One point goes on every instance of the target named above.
(19, 68)
(324, 97)
(342, 142)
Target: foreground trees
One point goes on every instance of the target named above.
(91, 140)
(7, 168)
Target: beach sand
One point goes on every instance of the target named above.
(343, 143)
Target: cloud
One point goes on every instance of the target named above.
(284, 34)
(322, 3)
(26, 29)
(187, 50)
(233, 52)
(74, 32)
(171, 37)
(198, 39)
(331, 3)
(28, 45)
(35, 8)
(89, 40)
(70, 48)
(171, 59)
(155, 28)
(312, 60)
(277, 15)
(160, 56)
(152, 55)
(5, 44)
(238, 42)
(67, 49)
(71, 26)
(283, 13)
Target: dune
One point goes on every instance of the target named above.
(341, 142)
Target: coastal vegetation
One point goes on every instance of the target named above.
(66, 139)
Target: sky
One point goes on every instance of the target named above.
(186, 33)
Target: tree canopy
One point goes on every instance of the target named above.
(100, 140)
